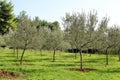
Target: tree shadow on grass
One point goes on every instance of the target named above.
(9, 60)
(1, 64)
(45, 59)
(32, 70)
(7, 56)
(92, 60)
(60, 65)
(82, 70)
(41, 55)
(25, 61)
(24, 64)
(112, 70)
(36, 60)
(68, 56)
(33, 60)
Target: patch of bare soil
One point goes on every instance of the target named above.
(82, 70)
(9, 75)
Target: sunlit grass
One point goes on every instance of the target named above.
(40, 67)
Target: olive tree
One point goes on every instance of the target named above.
(64, 45)
(114, 36)
(25, 33)
(92, 21)
(79, 27)
(108, 37)
(101, 32)
(11, 40)
(39, 39)
(112, 40)
(2, 42)
(118, 40)
(54, 40)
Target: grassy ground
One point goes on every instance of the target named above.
(37, 67)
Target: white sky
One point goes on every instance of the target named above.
(52, 10)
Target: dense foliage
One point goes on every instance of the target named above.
(7, 18)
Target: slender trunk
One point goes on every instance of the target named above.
(14, 50)
(23, 54)
(54, 55)
(40, 52)
(119, 54)
(80, 52)
(90, 53)
(106, 56)
(87, 51)
(60, 51)
(31, 50)
(75, 55)
(17, 53)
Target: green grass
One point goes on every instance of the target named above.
(37, 67)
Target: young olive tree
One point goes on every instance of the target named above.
(39, 39)
(111, 41)
(11, 40)
(101, 32)
(54, 40)
(64, 45)
(118, 40)
(114, 32)
(108, 37)
(104, 37)
(25, 33)
(2, 42)
(80, 30)
(91, 28)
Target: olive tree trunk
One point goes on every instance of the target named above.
(119, 54)
(17, 53)
(81, 65)
(21, 60)
(54, 55)
(106, 56)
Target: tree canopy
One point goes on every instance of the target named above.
(7, 17)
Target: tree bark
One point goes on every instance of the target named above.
(40, 52)
(119, 54)
(23, 54)
(17, 53)
(54, 55)
(75, 56)
(80, 52)
(106, 56)
(14, 50)
(90, 52)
